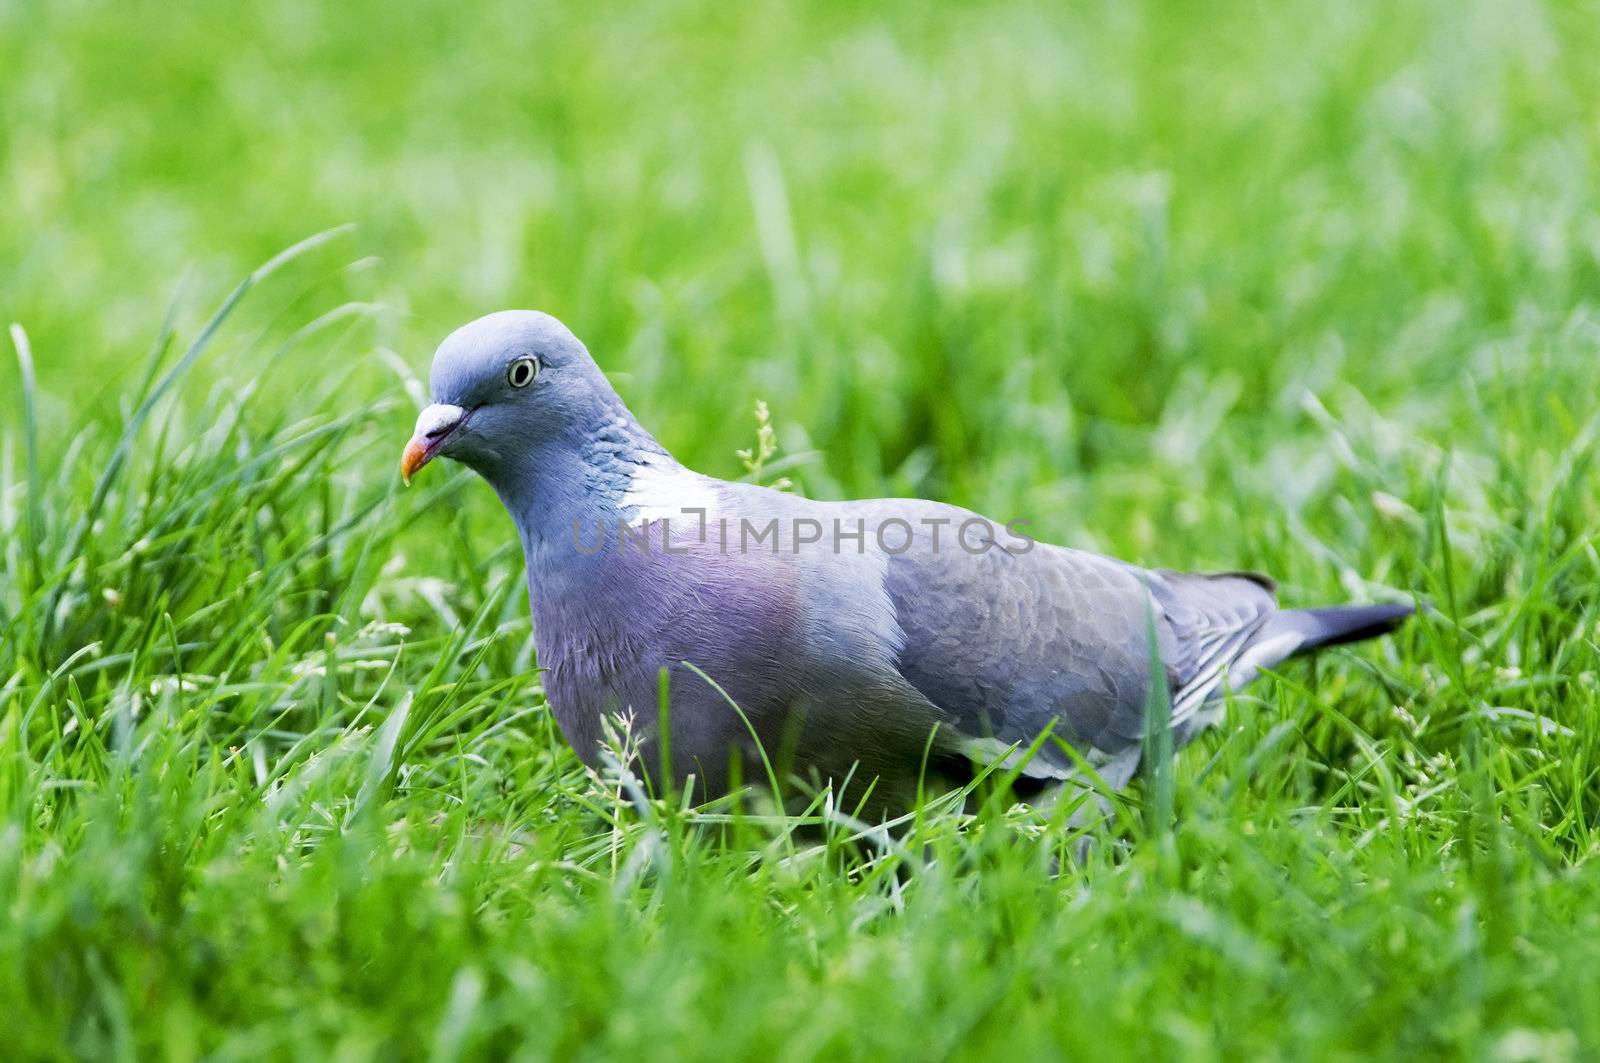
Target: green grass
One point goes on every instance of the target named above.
(1308, 288)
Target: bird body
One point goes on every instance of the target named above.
(878, 641)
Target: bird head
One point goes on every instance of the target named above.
(502, 387)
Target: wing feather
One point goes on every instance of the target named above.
(1011, 641)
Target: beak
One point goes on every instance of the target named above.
(435, 426)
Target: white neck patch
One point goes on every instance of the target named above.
(661, 489)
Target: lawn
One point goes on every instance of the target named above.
(1306, 288)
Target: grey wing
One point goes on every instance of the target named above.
(1009, 641)
(1207, 623)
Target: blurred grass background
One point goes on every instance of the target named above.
(1309, 288)
(931, 239)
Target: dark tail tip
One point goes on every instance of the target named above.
(1335, 625)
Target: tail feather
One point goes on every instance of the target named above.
(1337, 624)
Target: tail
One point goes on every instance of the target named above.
(1333, 625)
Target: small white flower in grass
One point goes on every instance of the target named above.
(382, 628)
(187, 683)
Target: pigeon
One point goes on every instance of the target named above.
(878, 646)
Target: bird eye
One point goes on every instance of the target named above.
(522, 372)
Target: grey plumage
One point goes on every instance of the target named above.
(881, 653)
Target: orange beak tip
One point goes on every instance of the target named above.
(414, 458)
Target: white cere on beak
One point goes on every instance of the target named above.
(438, 419)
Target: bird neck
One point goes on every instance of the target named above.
(575, 481)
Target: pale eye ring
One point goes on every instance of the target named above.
(520, 373)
